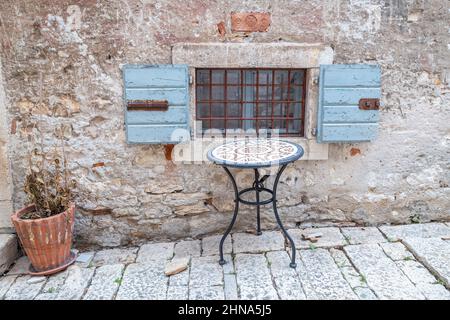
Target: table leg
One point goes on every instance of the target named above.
(277, 217)
(258, 216)
(233, 220)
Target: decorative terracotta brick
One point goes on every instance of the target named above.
(250, 21)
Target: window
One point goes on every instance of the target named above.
(251, 99)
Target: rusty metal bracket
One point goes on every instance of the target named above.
(369, 104)
(147, 105)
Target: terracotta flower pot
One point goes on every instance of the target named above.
(47, 241)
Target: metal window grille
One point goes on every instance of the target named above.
(260, 99)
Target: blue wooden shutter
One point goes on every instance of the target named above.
(339, 118)
(157, 82)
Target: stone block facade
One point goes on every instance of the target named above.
(61, 66)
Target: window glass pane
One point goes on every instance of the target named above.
(218, 93)
(280, 93)
(218, 124)
(297, 77)
(233, 124)
(205, 125)
(280, 109)
(202, 110)
(233, 93)
(218, 76)
(281, 77)
(202, 76)
(265, 77)
(264, 124)
(264, 110)
(295, 110)
(233, 76)
(248, 124)
(279, 124)
(202, 93)
(249, 77)
(265, 93)
(295, 93)
(233, 110)
(293, 126)
(217, 110)
(249, 110)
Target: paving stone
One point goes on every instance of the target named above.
(205, 272)
(84, 259)
(143, 281)
(105, 282)
(5, 284)
(353, 277)
(360, 235)
(416, 272)
(286, 279)
(434, 253)
(178, 293)
(321, 277)
(331, 237)
(155, 252)
(422, 230)
(381, 273)
(75, 283)
(364, 293)
(230, 287)
(206, 293)
(190, 248)
(253, 277)
(52, 286)
(396, 251)
(8, 251)
(340, 258)
(250, 243)
(348, 271)
(22, 290)
(20, 267)
(114, 256)
(180, 279)
(228, 267)
(434, 291)
(210, 245)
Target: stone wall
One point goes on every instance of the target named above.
(62, 67)
(5, 176)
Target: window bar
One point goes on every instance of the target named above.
(241, 84)
(273, 97)
(288, 98)
(210, 98)
(302, 115)
(225, 102)
(256, 100)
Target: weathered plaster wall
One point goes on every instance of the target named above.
(61, 63)
(5, 176)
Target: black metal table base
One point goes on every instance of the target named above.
(257, 187)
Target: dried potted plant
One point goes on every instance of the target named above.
(45, 227)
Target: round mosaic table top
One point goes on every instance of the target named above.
(255, 153)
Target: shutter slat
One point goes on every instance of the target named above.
(339, 118)
(144, 76)
(352, 76)
(157, 82)
(172, 115)
(175, 96)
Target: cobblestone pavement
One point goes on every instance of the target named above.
(389, 262)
